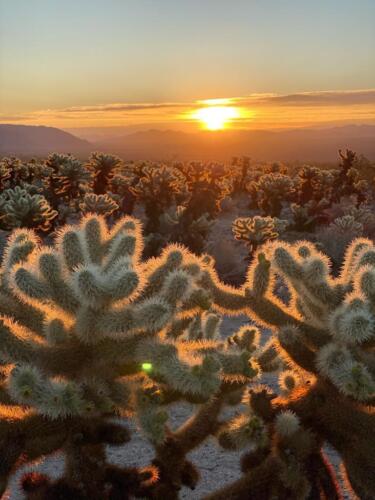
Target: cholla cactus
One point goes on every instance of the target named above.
(17, 172)
(2, 211)
(335, 237)
(308, 215)
(30, 188)
(72, 178)
(159, 180)
(339, 308)
(207, 186)
(5, 173)
(176, 225)
(191, 232)
(276, 167)
(240, 173)
(347, 179)
(314, 184)
(270, 191)
(326, 335)
(120, 191)
(101, 204)
(103, 168)
(309, 183)
(347, 223)
(51, 178)
(88, 331)
(362, 214)
(257, 230)
(120, 183)
(22, 209)
(157, 189)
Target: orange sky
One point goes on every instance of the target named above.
(257, 111)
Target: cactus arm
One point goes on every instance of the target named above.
(327, 481)
(201, 425)
(170, 455)
(344, 425)
(270, 313)
(259, 482)
(23, 313)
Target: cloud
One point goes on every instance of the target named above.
(13, 118)
(319, 98)
(111, 112)
(102, 108)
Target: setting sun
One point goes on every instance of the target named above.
(215, 117)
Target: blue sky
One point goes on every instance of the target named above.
(61, 53)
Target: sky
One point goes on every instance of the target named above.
(82, 63)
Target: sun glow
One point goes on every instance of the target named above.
(215, 117)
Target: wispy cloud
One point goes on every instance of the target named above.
(319, 98)
(103, 108)
(13, 118)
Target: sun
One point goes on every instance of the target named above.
(215, 117)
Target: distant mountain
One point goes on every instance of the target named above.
(25, 140)
(293, 144)
(315, 144)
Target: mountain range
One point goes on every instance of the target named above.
(318, 144)
(26, 140)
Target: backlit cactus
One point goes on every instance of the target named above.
(176, 224)
(339, 308)
(308, 215)
(157, 189)
(103, 167)
(72, 179)
(240, 173)
(270, 191)
(207, 188)
(89, 330)
(347, 223)
(325, 334)
(19, 209)
(348, 178)
(256, 230)
(101, 204)
(5, 173)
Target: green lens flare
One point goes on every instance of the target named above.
(147, 367)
